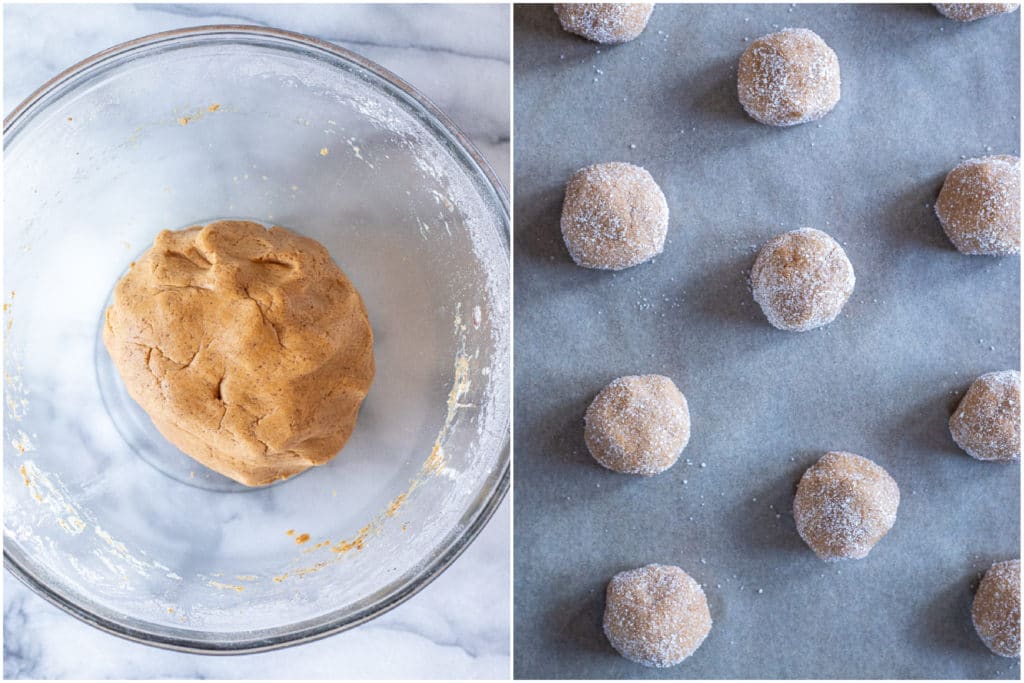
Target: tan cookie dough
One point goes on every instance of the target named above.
(979, 206)
(656, 615)
(788, 77)
(996, 609)
(986, 423)
(607, 23)
(248, 348)
(614, 216)
(972, 11)
(844, 505)
(801, 279)
(638, 424)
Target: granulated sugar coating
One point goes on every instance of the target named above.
(844, 505)
(614, 216)
(656, 615)
(788, 77)
(986, 424)
(605, 22)
(969, 11)
(996, 609)
(801, 279)
(979, 206)
(638, 425)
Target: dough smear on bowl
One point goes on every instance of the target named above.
(249, 348)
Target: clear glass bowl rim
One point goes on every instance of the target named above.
(454, 547)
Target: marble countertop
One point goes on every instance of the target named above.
(458, 627)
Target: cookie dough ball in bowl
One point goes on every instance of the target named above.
(979, 206)
(844, 505)
(614, 216)
(656, 615)
(971, 11)
(788, 77)
(996, 608)
(638, 425)
(248, 348)
(605, 22)
(801, 279)
(986, 423)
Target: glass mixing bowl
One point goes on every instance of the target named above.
(104, 517)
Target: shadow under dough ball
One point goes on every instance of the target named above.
(614, 216)
(986, 423)
(638, 424)
(788, 77)
(249, 348)
(656, 615)
(801, 279)
(606, 23)
(996, 608)
(844, 505)
(971, 11)
(979, 206)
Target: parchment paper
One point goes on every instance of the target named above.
(919, 92)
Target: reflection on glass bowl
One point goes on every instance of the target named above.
(102, 515)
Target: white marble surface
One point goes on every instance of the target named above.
(458, 627)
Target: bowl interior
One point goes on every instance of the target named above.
(211, 124)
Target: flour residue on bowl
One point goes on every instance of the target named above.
(44, 490)
(434, 464)
(22, 443)
(15, 393)
(47, 490)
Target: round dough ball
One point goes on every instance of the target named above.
(788, 77)
(801, 279)
(638, 425)
(656, 615)
(970, 11)
(979, 206)
(614, 216)
(248, 348)
(996, 608)
(605, 22)
(844, 505)
(986, 424)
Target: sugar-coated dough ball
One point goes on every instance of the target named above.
(788, 77)
(986, 424)
(614, 216)
(979, 206)
(970, 11)
(801, 279)
(844, 505)
(656, 615)
(996, 608)
(638, 425)
(605, 22)
(249, 348)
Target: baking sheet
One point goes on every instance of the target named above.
(919, 93)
